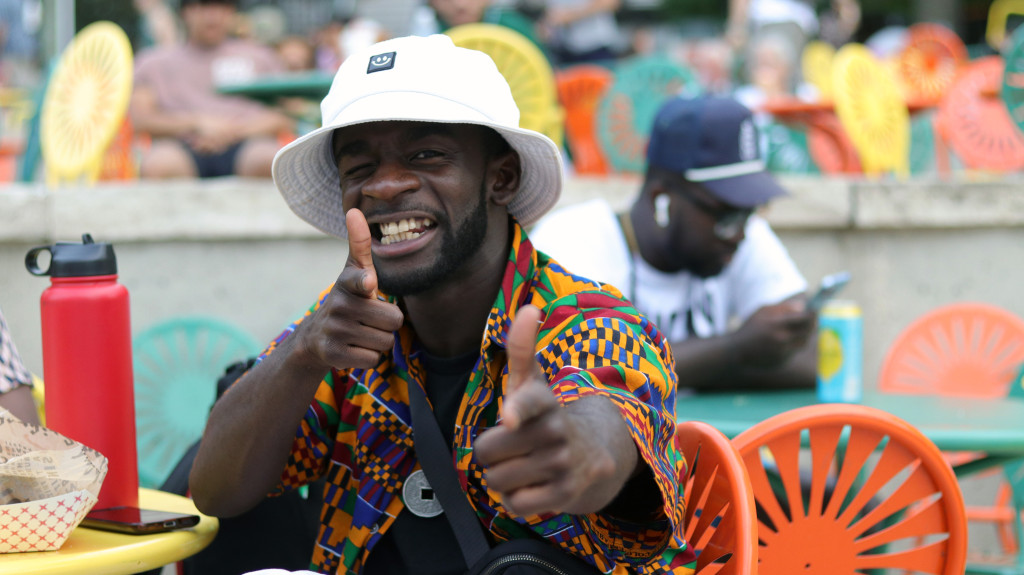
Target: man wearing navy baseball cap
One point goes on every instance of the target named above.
(693, 255)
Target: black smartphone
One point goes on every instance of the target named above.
(138, 521)
(830, 286)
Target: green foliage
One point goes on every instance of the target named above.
(887, 6)
(120, 12)
(683, 9)
(874, 11)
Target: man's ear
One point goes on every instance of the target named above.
(503, 176)
(655, 187)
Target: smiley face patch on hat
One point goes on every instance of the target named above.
(381, 62)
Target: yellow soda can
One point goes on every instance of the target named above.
(840, 353)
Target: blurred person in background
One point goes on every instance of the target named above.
(889, 40)
(746, 17)
(710, 58)
(19, 27)
(264, 24)
(798, 20)
(772, 72)
(358, 33)
(296, 54)
(327, 46)
(694, 257)
(582, 31)
(159, 26)
(15, 380)
(197, 132)
(343, 36)
(437, 16)
(840, 22)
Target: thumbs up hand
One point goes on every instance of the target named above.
(544, 457)
(527, 395)
(359, 276)
(352, 328)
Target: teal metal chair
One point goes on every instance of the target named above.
(967, 349)
(177, 363)
(1009, 505)
(720, 516)
(627, 109)
(788, 151)
(1012, 89)
(922, 144)
(29, 161)
(1014, 474)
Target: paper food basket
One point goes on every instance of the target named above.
(47, 484)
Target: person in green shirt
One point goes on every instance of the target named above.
(440, 15)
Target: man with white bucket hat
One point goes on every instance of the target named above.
(555, 398)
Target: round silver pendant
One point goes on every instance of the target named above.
(419, 497)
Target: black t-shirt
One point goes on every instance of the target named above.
(426, 545)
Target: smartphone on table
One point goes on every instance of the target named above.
(830, 286)
(138, 521)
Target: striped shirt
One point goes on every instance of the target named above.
(12, 372)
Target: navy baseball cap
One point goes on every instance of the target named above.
(712, 141)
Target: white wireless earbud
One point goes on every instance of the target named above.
(661, 203)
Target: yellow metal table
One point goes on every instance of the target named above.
(92, 551)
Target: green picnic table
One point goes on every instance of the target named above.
(313, 85)
(992, 426)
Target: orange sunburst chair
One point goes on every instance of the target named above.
(875, 482)
(720, 520)
(963, 349)
(580, 89)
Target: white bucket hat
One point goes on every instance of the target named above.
(426, 79)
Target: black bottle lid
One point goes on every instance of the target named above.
(70, 259)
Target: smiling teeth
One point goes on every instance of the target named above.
(403, 230)
(401, 237)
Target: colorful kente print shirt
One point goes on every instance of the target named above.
(592, 342)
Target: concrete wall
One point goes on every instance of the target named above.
(232, 249)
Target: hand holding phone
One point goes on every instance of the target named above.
(138, 521)
(830, 286)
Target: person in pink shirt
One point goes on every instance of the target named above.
(196, 131)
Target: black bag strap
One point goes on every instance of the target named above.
(436, 459)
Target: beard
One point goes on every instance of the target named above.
(707, 268)
(457, 246)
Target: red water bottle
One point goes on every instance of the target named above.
(87, 359)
